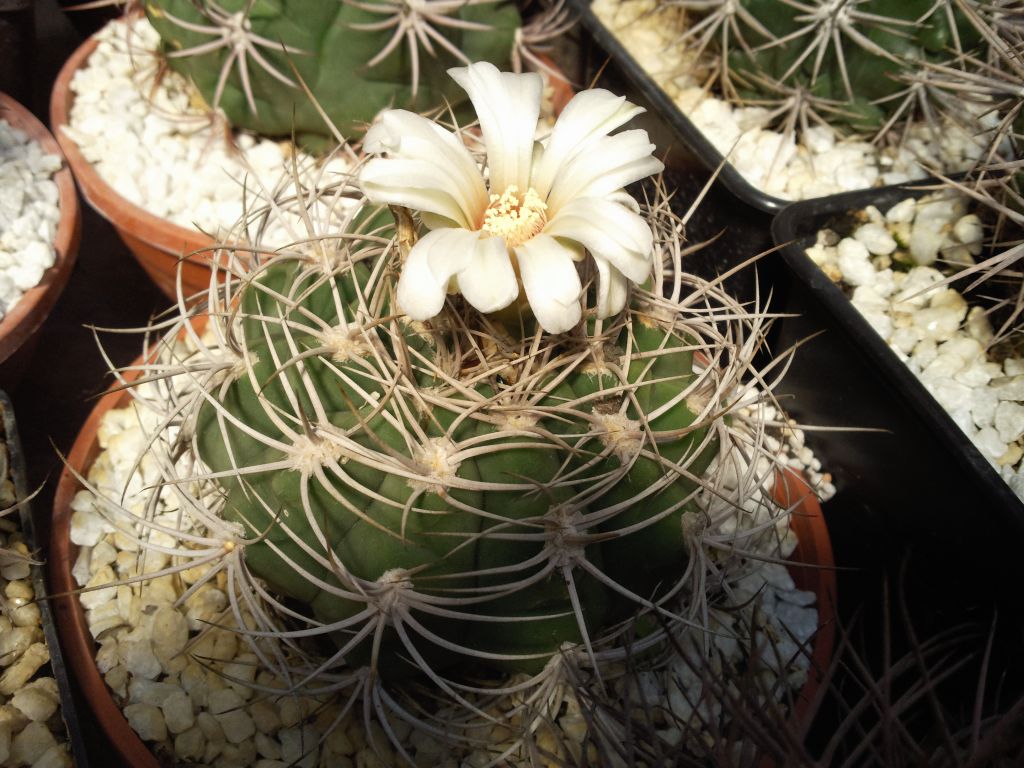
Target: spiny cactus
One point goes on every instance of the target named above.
(489, 495)
(853, 57)
(255, 59)
(456, 519)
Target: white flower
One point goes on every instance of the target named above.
(541, 210)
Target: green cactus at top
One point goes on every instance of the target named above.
(251, 58)
(852, 56)
(491, 502)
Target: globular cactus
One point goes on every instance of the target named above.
(853, 57)
(493, 497)
(456, 520)
(255, 59)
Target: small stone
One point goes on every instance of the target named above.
(214, 734)
(925, 244)
(170, 633)
(969, 231)
(147, 721)
(1010, 388)
(55, 757)
(224, 700)
(989, 443)
(983, 406)
(31, 744)
(876, 238)
(237, 725)
(978, 325)
(1013, 366)
(1014, 453)
(299, 746)
(22, 670)
(902, 212)
(190, 745)
(178, 712)
(1009, 421)
(267, 747)
(853, 261)
(265, 716)
(38, 700)
(139, 658)
(938, 323)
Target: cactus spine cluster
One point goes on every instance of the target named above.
(857, 60)
(256, 59)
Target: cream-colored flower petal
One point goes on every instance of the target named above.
(587, 117)
(488, 281)
(432, 262)
(622, 197)
(612, 289)
(415, 184)
(609, 231)
(405, 136)
(551, 282)
(508, 106)
(609, 164)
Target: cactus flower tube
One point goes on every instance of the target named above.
(535, 212)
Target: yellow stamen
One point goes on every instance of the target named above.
(515, 217)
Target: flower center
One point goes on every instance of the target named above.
(515, 217)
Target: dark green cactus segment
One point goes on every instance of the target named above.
(253, 74)
(851, 37)
(663, 371)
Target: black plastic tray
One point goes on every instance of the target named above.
(924, 483)
(16, 467)
(689, 140)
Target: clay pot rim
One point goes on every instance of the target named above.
(32, 309)
(807, 519)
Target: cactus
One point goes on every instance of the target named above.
(499, 488)
(255, 59)
(456, 502)
(466, 505)
(853, 57)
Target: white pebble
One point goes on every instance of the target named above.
(854, 263)
(876, 239)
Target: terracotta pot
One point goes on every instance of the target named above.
(157, 244)
(19, 327)
(812, 569)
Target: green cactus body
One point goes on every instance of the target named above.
(873, 78)
(493, 480)
(320, 43)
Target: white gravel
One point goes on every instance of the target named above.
(183, 681)
(29, 214)
(806, 164)
(154, 142)
(942, 339)
(32, 731)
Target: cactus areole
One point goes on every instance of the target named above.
(468, 489)
(256, 59)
